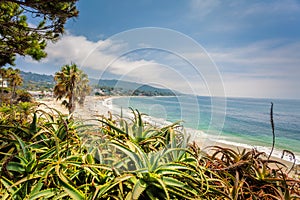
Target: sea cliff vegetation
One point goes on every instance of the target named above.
(47, 155)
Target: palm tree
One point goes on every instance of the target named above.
(71, 82)
(84, 88)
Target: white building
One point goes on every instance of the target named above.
(3, 83)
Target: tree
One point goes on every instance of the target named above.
(17, 36)
(24, 96)
(72, 84)
(3, 78)
(84, 89)
(14, 79)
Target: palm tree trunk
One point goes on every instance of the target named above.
(13, 94)
(71, 102)
(1, 100)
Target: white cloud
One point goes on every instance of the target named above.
(269, 56)
(148, 66)
(89, 54)
(246, 86)
(200, 9)
(272, 7)
(105, 56)
(75, 49)
(263, 69)
(222, 19)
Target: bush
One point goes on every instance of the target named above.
(50, 155)
(24, 96)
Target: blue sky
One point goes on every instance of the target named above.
(254, 45)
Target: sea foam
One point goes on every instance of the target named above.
(202, 138)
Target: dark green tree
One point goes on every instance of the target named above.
(14, 80)
(23, 36)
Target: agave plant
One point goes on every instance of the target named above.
(148, 136)
(47, 161)
(52, 156)
(150, 175)
(248, 175)
(163, 169)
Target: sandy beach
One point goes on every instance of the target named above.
(96, 106)
(47, 103)
(93, 106)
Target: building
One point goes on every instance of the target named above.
(3, 83)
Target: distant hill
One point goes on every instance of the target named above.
(93, 81)
(34, 81)
(133, 88)
(29, 76)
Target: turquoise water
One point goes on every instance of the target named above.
(247, 120)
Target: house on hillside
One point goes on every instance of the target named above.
(3, 83)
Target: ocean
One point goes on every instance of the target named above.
(242, 122)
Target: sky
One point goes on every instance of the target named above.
(207, 47)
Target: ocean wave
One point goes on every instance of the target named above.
(202, 138)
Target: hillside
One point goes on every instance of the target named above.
(34, 81)
(42, 82)
(132, 88)
(34, 77)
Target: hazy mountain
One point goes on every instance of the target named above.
(133, 88)
(35, 81)
(33, 77)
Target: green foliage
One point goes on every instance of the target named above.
(51, 156)
(24, 96)
(12, 76)
(250, 175)
(18, 37)
(37, 82)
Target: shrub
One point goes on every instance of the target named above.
(24, 96)
(50, 155)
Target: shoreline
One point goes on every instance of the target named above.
(102, 105)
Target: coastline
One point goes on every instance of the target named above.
(91, 108)
(102, 105)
